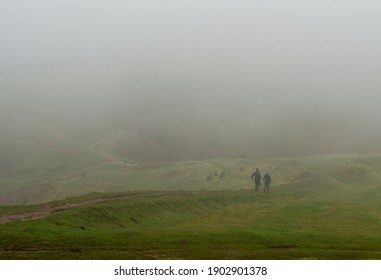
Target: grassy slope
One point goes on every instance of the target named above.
(35, 148)
(57, 163)
(320, 207)
(110, 176)
(51, 165)
(33, 167)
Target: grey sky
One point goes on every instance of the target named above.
(240, 59)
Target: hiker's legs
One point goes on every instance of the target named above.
(257, 184)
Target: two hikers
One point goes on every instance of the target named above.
(256, 176)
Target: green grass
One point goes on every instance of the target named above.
(319, 207)
(315, 217)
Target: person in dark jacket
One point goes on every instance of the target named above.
(267, 179)
(256, 176)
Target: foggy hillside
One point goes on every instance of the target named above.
(192, 79)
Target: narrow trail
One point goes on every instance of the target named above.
(41, 213)
(47, 210)
(109, 157)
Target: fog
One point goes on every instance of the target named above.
(197, 79)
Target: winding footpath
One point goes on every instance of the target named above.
(47, 210)
(41, 213)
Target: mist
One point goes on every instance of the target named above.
(195, 79)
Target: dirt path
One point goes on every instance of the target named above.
(47, 210)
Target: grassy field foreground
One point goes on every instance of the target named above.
(329, 209)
